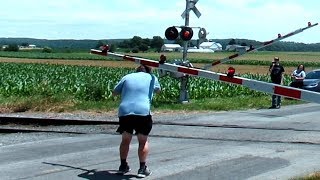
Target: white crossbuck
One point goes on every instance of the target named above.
(262, 86)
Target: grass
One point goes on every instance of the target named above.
(224, 104)
(313, 176)
(36, 103)
(60, 103)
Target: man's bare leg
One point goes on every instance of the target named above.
(143, 152)
(143, 149)
(125, 145)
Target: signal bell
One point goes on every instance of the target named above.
(202, 33)
(171, 33)
(186, 33)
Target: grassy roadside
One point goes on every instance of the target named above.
(313, 176)
(60, 103)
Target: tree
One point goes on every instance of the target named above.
(146, 41)
(232, 42)
(100, 43)
(136, 41)
(157, 42)
(47, 49)
(25, 44)
(135, 50)
(12, 47)
(243, 44)
(143, 47)
(124, 44)
(113, 47)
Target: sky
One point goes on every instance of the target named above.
(260, 20)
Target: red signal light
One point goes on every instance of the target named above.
(171, 33)
(230, 72)
(186, 33)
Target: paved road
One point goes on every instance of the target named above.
(254, 144)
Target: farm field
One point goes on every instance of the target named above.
(126, 64)
(62, 83)
(255, 62)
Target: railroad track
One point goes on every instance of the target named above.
(50, 125)
(42, 122)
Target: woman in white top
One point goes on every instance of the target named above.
(297, 76)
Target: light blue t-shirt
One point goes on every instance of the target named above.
(136, 90)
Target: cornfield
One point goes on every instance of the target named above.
(97, 83)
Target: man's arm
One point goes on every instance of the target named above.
(270, 68)
(157, 87)
(282, 76)
(118, 88)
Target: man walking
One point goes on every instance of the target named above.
(276, 73)
(136, 91)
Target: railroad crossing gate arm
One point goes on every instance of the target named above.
(262, 86)
(265, 44)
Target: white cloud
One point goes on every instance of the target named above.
(252, 19)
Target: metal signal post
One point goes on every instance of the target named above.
(185, 35)
(190, 5)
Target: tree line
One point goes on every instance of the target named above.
(138, 44)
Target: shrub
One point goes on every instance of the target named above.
(135, 50)
(47, 50)
(12, 47)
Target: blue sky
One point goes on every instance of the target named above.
(260, 20)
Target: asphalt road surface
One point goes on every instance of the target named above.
(255, 144)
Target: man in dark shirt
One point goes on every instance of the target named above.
(276, 74)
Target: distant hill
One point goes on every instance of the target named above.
(57, 44)
(277, 46)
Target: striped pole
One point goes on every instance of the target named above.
(265, 44)
(266, 87)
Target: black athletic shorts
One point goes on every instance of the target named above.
(140, 124)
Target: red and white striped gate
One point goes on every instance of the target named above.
(266, 87)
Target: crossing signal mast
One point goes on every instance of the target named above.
(183, 68)
(185, 34)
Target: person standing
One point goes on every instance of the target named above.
(297, 77)
(276, 73)
(136, 91)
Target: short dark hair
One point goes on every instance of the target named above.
(144, 68)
